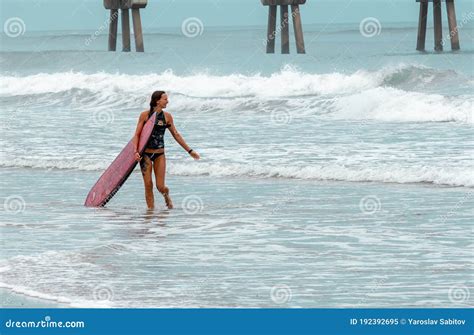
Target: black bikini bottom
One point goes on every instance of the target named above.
(150, 155)
(153, 155)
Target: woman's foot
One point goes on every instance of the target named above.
(168, 201)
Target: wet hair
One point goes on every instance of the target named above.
(154, 99)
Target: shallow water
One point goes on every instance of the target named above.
(231, 241)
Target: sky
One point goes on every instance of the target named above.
(89, 14)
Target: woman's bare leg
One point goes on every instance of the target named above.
(159, 167)
(146, 168)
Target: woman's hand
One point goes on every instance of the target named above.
(195, 155)
(138, 157)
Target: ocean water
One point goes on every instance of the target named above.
(339, 178)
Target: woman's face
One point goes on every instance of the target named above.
(163, 101)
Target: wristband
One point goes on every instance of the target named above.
(190, 150)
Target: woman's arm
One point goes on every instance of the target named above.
(177, 136)
(138, 131)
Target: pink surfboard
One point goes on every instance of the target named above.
(118, 172)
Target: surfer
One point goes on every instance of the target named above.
(154, 156)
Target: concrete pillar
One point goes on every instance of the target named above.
(297, 27)
(285, 30)
(271, 29)
(137, 30)
(420, 44)
(125, 30)
(438, 27)
(453, 29)
(113, 29)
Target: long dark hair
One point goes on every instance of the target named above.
(154, 99)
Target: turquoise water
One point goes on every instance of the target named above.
(230, 242)
(339, 178)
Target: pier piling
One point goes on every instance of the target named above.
(284, 25)
(124, 6)
(437, 25)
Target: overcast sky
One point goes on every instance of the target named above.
(90, 14)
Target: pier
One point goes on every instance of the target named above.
(284, 25)
(125, 6)
(437, 25)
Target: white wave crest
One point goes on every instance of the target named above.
(390, 104)
(207, 85)
(382, 173)
(385, 173)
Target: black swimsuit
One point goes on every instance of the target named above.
(157, 137)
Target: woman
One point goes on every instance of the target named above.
(154, 155)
